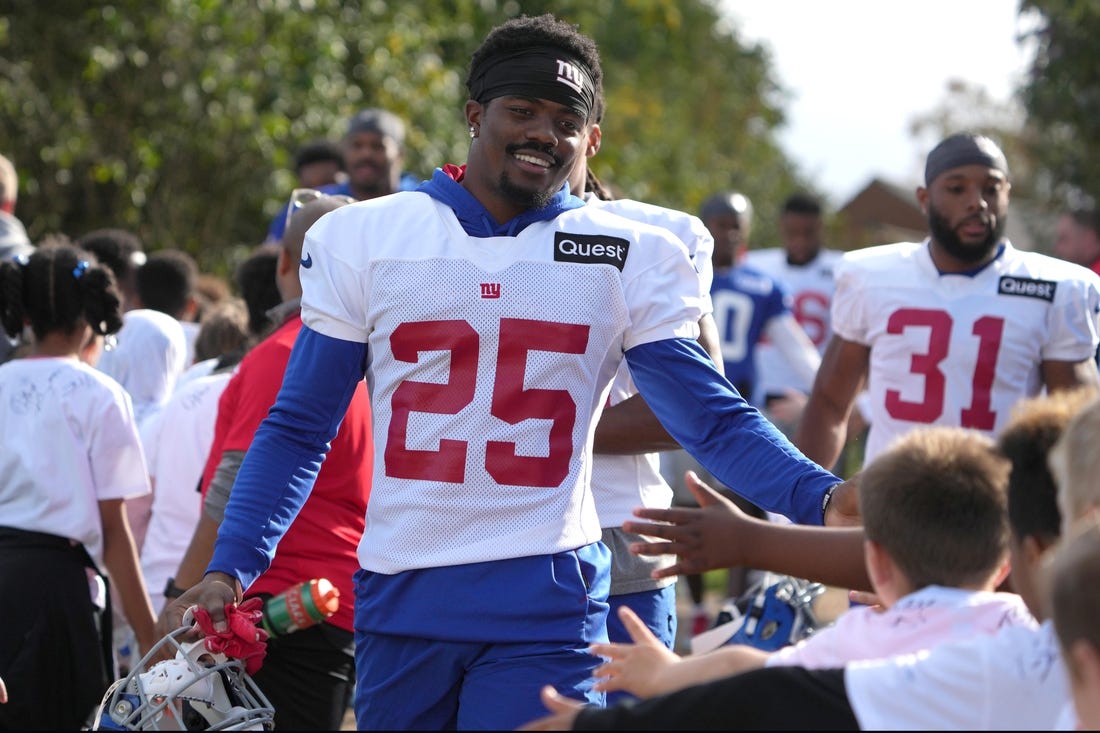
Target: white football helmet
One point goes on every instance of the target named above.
(198, 690)
(776, 611)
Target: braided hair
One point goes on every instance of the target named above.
(58, 289)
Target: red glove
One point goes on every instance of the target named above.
(243, 639)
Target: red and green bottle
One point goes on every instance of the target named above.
(300, 607)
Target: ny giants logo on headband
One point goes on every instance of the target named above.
(570, 75)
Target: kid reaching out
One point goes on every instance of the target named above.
(935, 548)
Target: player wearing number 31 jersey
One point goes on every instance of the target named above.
(956, 329)
(959, 349)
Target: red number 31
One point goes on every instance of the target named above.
(979, 414)
(511, 402)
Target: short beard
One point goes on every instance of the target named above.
(377, 186)
(946, 237)
(526, 198)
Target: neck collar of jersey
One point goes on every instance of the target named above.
(807, 263)
(475, 218)
(973, 272)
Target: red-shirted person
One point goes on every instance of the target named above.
(1077, 237)
(308, 675)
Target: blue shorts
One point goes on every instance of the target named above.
(657, 608)
(425, 684)
(471, 646)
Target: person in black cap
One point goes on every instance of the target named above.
(956, 329)
(374, 148)
(373, 154)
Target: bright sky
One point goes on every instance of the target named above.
(859, 70)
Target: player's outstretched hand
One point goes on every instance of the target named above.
(703, 538)
(563, 712)
(637, 668)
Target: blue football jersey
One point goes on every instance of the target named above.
(744, 300)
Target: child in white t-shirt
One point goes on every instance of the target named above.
(70, 455)
(936, 534)
(1075, 604)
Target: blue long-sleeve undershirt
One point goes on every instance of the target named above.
(706, 415)
(286, 453)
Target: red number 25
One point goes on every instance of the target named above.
(510, 403)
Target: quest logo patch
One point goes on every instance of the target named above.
(590, 249)
(1026, 287)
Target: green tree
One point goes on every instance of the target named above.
(178, 118)
(1062, 96)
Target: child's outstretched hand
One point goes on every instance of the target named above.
(563, 712)
(640, 668)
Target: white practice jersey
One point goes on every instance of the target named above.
(488, 360)
(920, 620)
(1012, 680)
(176, 445)
(70, 441)
(811, 288)
(621, 483)
(959, 350)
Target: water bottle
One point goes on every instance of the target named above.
(300, 607)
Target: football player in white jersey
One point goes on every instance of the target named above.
(489, 311)
(956, 329)
(805, 268)
(626, 462)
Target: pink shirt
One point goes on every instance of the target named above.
(920, 620)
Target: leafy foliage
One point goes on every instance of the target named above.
(178, 118)
(1062, 97)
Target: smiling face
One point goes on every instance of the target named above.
(524, 150)
(373, 163)
(967, 208)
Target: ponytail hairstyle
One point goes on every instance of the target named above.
(58, 289)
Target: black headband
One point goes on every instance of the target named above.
(963, 149)
(541, 72)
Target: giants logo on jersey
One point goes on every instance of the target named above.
(1042, 289)
(590, 248)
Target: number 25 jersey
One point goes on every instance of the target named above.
(954, 349)
(489, 358)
